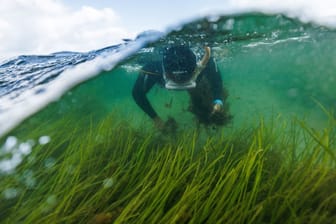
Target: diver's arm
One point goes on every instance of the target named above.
(140, 89)
(215, 79)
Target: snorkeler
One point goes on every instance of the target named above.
(179, 70)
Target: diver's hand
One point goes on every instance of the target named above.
(158, 123)
(217, 107)
(168, 127)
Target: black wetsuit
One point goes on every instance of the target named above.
(151, 74)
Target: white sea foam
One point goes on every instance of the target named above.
(271, 43)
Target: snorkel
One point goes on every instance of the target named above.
(203, 62)
(191, 83)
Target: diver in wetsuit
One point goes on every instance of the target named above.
(178, 70)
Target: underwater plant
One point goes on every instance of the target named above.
(276, 172)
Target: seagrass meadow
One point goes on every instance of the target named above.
(110, 172)
(94, 157)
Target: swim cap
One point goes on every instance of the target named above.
(179, 63)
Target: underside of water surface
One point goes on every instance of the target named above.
(94, 157)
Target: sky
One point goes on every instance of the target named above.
(47, 26)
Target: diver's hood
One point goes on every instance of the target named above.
(191, 83)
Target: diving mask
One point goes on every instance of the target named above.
(191, 83)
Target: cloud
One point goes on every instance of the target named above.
(46, 26)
